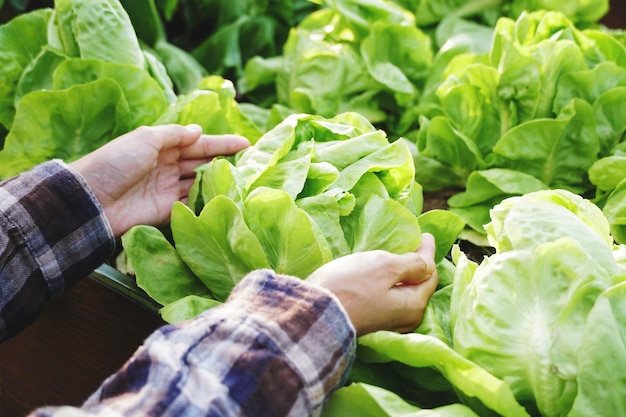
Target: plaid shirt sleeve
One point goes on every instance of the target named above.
(52, 233)
(278, 347)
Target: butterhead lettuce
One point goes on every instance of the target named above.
(309, 190)
(537, 327)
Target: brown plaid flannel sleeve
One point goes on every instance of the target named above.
(52, 233)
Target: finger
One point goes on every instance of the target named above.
(184, 187)
(172, 135)
(214, 145)
(414, 299)
(188, 168)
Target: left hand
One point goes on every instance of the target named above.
(138, 176)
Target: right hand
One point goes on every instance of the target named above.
(138, 176)
(381, 290)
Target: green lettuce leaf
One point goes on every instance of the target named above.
(527, 221)
(422, 351)
(186, 308)
(603, 347)
(94, 113)
(79, 25)
(293, 243)
(531, 341)
(217, 245)
(22, 39)
(158, 268)
(142, 92)
(367, 400)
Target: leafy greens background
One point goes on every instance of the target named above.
(354, 108)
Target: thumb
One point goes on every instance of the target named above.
(421, 263)
(427, 247)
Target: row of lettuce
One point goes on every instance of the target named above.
(354, 108)
(535, 329)
(494, 98)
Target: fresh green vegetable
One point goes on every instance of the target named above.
(543, 105)
(534, 326)
(220, 36)
(76, 76)
(310, 190)
(362, 56)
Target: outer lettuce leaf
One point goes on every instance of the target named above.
(528, 221)
(158, 268)
(212, 105)
(463, 274)
(326, 210)
(158, 71)
(21, 40)
(146, 19)
(435, 175)
(485, 189)
(615, 211)
(94, 113)
(600, 380)
(186, 308)
(184, 70)
(607, 173)
(142, 92)
(531, 341)
(217, 245)
(82, 23)
(367, 400)
(436, 319)
(421, 351)
(293, 243)
(542, 147)
(444, 224)
(382, 224)
(40, 72)
(493, 183)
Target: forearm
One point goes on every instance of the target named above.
(52, 233)
(277, 348)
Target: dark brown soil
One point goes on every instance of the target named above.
(439, 200)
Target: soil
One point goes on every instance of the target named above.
(439, 200)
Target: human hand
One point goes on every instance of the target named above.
(138, 176)
(381, 290)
